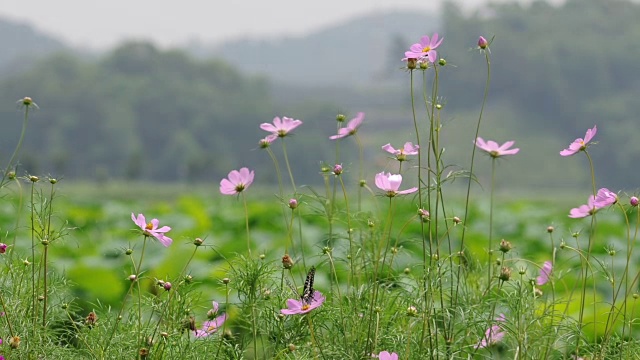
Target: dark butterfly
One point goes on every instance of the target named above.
(307, 291)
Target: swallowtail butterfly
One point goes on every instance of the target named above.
(307, 291)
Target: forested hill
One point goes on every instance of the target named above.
(142, 113)
(350, 53)
(145, 113)
(21, 46)
(561, 70)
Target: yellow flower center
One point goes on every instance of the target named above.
(149, 226)
(426, 49)
(305, 307)
(211, 327)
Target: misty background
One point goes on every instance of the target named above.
(188, 108)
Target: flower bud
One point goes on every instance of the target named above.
(167, 286)
(340, 118)
(264, 143)
(33, 178)
(132, 278)
(291, 347)
(456, 220)
(537, 292)
(412, 63)
(424, 65)
(482, 43)
(550, 229)
(412, 311)
(91, 319)
(363, 183)
(188, 279)
(442, 62)
(226, 281)
(198, 242)
(326, 250)
(40, 298)
(262, 256)
(26, 101)
(407, 271)
(11, 175)
(3, 248)
(287, 261)
(128, 252)
(633, 201)
(505, 274)
(143, 352)
(14, 342)
(505, 246)
(293, 203)
(424, 214)
(337, 169)
(53, 181)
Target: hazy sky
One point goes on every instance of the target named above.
(100, 24)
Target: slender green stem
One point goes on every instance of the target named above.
(246, 222)
(6, 314)
(137, 282)
(33, 256)
(17, 149)
(491, 200)
(286, 160)
(587, 258)
(349, 233)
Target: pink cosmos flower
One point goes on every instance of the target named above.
(390, 183)
(494, 149)
(151, 229)
(584, 210)
(351, 128)
(238, 181)
(3, 248)
(280, 128)
(604, 198)
(545, 273)
(385, 355)
(401, 154)
(580, 144)
(493, 335)
(211, 326)
(633, 201)
(295, 307)
(425, 48)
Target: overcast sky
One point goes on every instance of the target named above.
(100, 24)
